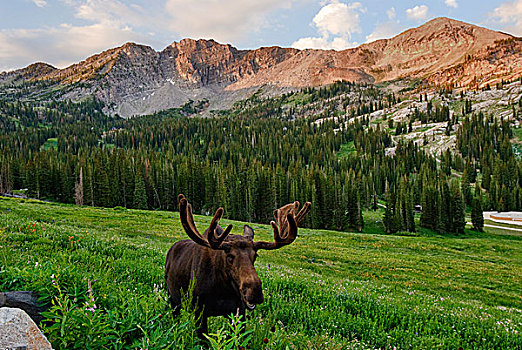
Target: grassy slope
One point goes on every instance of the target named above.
(326, 290)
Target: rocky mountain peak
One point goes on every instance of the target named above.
(441, 51)
(30, 72)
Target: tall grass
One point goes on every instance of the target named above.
(101, 272)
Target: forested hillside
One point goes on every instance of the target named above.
(340, 147)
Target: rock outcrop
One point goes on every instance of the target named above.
(18, 331)
(25, 300)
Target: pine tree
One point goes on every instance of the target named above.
(477, 217)
(458, 208)
(357, 220)
(389, 213)
(446, 212)
(466, 190)
(140, 195)
(430, 216)
(410, 216)
(102, 191)
(88, 186)
(127, 183)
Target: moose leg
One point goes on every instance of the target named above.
(175, 303)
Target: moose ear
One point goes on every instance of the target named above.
(276, 214)
(248, 232)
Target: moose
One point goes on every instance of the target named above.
(226, 281)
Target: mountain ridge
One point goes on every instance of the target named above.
(136, 79)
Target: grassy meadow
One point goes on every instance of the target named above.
(101, 270)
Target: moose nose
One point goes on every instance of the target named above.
(252, 292)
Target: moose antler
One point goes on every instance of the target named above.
(286, 233)
(213, 236)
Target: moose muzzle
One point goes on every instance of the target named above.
(251, 290)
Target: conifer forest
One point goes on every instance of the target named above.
(316, 144)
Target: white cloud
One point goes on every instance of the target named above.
(417, 12)
(40, 3)
(338, 19)
(225, 20)
(509, 14)
(384, 31)
(100, 24)
(451, 3)
(60, 46)
(109, 24)
(323, 43)
(335, 23)
(115, 12)
(391, 13)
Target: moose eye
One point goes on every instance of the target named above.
(230, 259)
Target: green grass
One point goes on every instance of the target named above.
(517, 145)
(328, 290)
(50, 143)
(517, 149)
(109, 145)
(503, 224)
(424, 128)
(346, 149)
(518, 134)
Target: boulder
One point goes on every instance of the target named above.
(18, 331)
(25, 300)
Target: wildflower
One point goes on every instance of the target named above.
(36, 265)
(265, 340)
(90, 306)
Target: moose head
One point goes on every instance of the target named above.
(223, 264)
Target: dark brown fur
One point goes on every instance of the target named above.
(226, 281)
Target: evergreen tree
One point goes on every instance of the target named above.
(466, 190)
(410, 216)
(477, 217)
(388, 217)
(140, 195)
(430, 216)
(458, 208)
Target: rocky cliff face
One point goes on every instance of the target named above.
(439, 43)
(135, 79)
(488, 65)
(416, 53)
(206, 62)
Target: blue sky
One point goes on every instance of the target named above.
(61, 32)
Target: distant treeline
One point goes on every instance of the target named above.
(251, 165)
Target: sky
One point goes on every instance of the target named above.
(62, 32)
